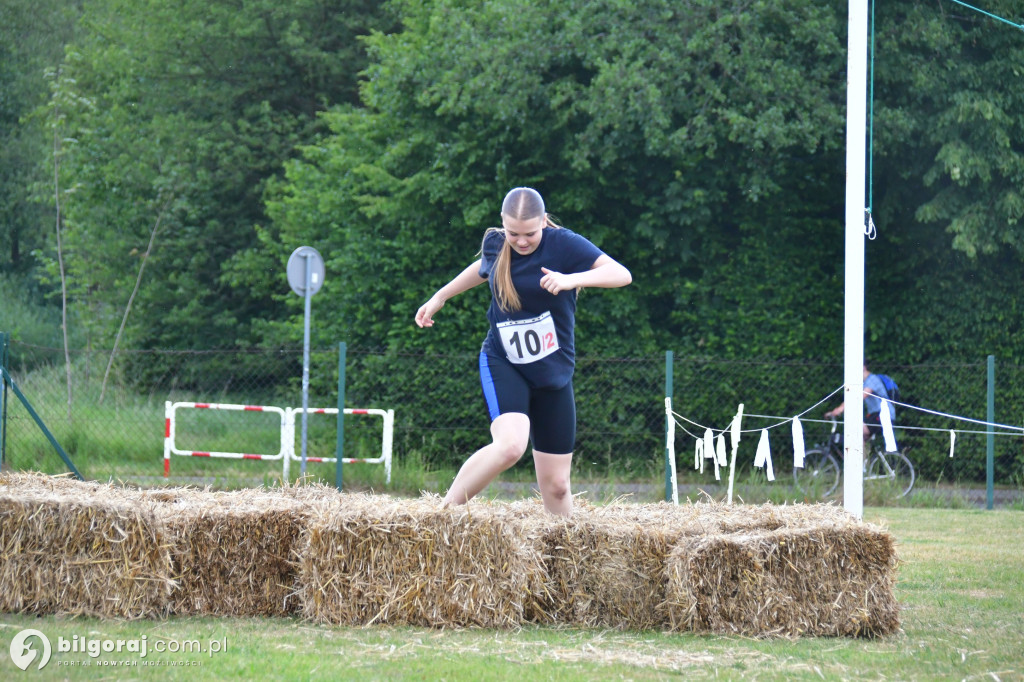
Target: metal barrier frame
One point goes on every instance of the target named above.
(387, 438)
(170, 431)
(287, 451)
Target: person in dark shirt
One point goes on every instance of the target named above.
(876, 398)
(535, 269)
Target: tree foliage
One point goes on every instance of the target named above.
(945, 274)
(174, 117)
(701, 144)
(32, 38)
(951, 120)
(659, 131)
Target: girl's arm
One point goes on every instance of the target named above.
(606, 272)
(464, 281)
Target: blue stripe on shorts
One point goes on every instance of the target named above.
(487, 381)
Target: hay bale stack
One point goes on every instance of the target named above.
(233, 552)
(79, 548)
(619, 566)
(372, 559)
(825, 579)
(73, 547)
(607, 566)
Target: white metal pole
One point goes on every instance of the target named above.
(853, 356)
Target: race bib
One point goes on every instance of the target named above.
(527, 341)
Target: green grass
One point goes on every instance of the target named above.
(960, 584)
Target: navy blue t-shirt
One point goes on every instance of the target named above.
(538, 339)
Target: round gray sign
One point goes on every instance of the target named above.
(297, 263)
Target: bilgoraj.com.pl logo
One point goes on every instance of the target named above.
(27, 645)
(32, 648)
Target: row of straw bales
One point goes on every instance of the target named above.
(73, 547)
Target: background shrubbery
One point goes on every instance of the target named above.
(181, 153)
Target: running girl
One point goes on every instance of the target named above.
(535, 269)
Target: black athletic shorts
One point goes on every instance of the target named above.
(552, 413)
(874, 423)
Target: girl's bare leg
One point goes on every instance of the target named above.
(511, 434)
(553, 479)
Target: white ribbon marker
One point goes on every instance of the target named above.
(709, 451)
(709, 444)
(764, 455)
(735, 433)
(886, 419)
(698, 456)
(798, 443)
(952, 441)
(723, 459)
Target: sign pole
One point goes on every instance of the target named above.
(305, 360)
(305, 276)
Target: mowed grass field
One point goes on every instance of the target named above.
(961, 586)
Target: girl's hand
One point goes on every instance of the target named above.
(553, 282)
(425, 315)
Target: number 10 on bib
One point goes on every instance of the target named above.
(527, 341)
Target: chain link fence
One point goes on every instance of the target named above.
(109, 417)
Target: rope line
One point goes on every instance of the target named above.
(900, 427)
(782, 421)
(957, 417)
(989, 14)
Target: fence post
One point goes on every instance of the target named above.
(3, 399)
(989, 438)
(39, 422)
(342, 348)
(668, 394)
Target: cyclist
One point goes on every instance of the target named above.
(874, 391)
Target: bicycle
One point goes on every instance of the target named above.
(820, 474)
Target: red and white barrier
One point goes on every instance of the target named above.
(287, 450)
(387, 437)
(169, 432)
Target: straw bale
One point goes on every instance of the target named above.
(606, 566)
(79, 548)
(233, 552)
(373, 559)
(829, 579)
(609, 566)
(606, 571)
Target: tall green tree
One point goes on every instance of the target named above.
(944, 276)
(702, 144)
(175, 117)
(32, 38)
(667, 133)
(956, 76)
